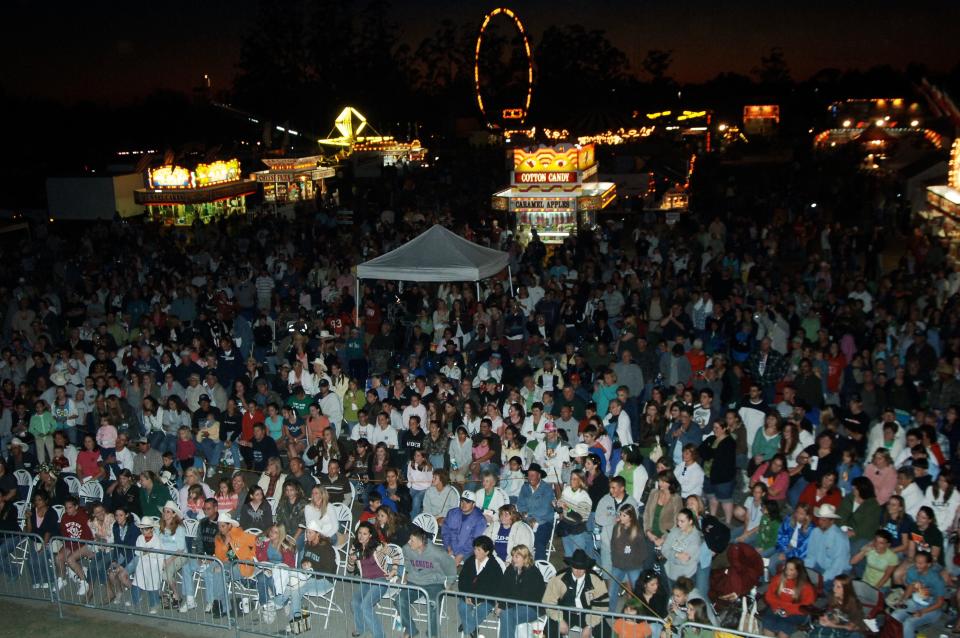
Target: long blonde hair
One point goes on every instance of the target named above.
(324, 498)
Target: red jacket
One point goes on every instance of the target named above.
(785, 599)
(809, 496)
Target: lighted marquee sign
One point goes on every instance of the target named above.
(217, 172)
(563, 158)
(174, 177)
(543, 204)
(170, 177)
(761, 112)
(542, 177)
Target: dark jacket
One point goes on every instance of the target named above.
(524, 586)
(487, 583)
(723, 466)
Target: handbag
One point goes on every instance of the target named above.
(571, 524)
(656, 452)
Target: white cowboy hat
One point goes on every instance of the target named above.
(173, 507)
(313, 526)
(326, 334)
(226, 518)
(59, 378)
(149, 521)
(826, 511)
(18, 443)
(580, 449)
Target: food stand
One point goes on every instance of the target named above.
(178, 196)
(554, 190)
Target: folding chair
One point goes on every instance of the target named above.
(553, 533)
(428, 523)
(345, 527)
(24, 480)
(390, 610)
(90, 492)
(73, 484)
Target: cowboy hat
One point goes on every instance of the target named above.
(326, 334)
(580, 560)
(149, 521)
(580, 449)
(826, 511)
(226, 518)
(312, 526)
(173, 507)
(535, 467)
(16, 442)
(58, 378)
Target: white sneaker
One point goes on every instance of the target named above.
(208, 608)
(187, 605)
(153, 611)
(83, 588)
(61, 582)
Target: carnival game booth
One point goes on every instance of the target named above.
(178, 196)
(437, 255)
(555, 191)
(293, 179)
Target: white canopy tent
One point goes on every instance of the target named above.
(438, 254)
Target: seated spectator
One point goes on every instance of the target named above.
(789, 592)
(576, 587)
(877, 562)
(481, 575)
(828, 550)
(461, 525)
(523, 583)
(441, 497)
(923, 597)
(844, 615)
(536, 503)
(508, 532)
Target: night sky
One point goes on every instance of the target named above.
(114, 52)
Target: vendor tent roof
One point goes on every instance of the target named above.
(436, 255)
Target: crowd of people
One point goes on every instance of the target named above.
(652, 410)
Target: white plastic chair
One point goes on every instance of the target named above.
(73, 484)
(24, 480)
(90, 492)
(190, 527)
(174, 493)
(22, 512)
(322, 605)
(59, 509)
(345, 527)
(547, 570)
(395, 560)
(553, 532)
(428, 523)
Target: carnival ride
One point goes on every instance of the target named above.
(511, 113)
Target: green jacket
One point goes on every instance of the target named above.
(767, 533)
(42, 424)
(865, 521)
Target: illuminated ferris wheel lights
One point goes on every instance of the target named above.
(526, 47)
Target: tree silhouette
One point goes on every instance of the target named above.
(656, 63)
(773, 70)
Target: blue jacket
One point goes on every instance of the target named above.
(786, 533)
(460, 529)
(537, 504)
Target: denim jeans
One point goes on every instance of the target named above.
(472, 615)
(313, 587)
(583, 540)
(405, 601)
(364, 602)
(625, 576)
(516, 615)
(7, 545)
(541, 536)
(911, 623)
(417, 507)
(211, 450)
(153, 597)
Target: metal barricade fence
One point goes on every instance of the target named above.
(146, 581)
(464, 613)
(26, 572)
(275, 599)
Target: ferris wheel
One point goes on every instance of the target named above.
(516, 110)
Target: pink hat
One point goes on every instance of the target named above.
(550, 426)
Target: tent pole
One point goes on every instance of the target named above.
(357, 318)
(478, 290)
(510, 280)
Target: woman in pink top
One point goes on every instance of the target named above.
(775, 476)
(107, 438)
(882, 474)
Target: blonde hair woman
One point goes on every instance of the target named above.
(318, 509)
(575, 505)
(523, 583)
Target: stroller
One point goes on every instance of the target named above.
(733, 584)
